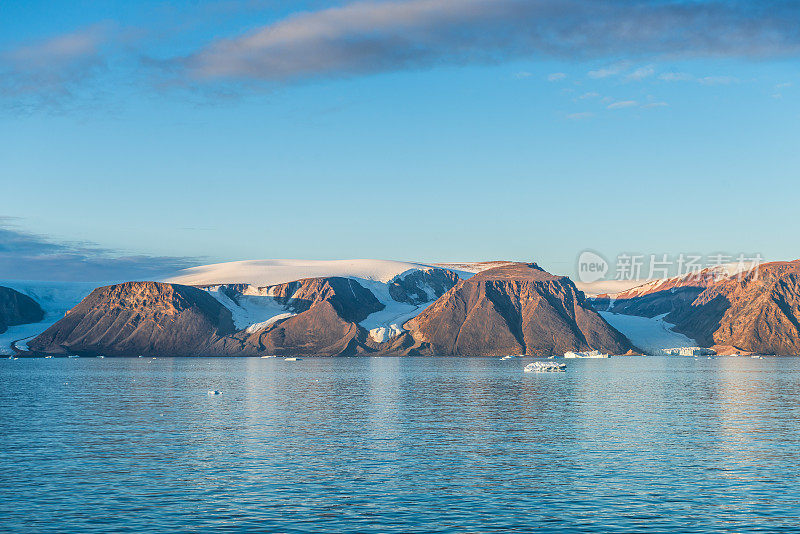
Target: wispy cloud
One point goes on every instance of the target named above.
(580, 116)
(623, 104)
(367, 37)
(373, 36)
(56, 66)
(24, 255)
(676, 77)
(702, 80)
(556, 77)
(718, 80)
(640, 74)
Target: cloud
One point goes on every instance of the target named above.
(623, 104)
(676, 77)
(556, 77)
(640, 74)
(718, 80)
(580, 116)
(589, 95)
(54, 66)
(705, 80)
(655, 105)
(606, 72)
(521, 75)
(25, 255)
(369, 37)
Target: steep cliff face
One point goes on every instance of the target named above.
(139, 318)
(150, 318)
(326, 310)
(759, 312)
(421, 286)
(650, 304)
(514, 309)
(668, 295)
(352, 301)
(16, 308)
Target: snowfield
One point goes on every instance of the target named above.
(649, 334)
(55, 298)
(261, 273)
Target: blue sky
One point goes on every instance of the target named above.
(433, 130)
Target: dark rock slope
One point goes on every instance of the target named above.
(514, 309)
(16, 308)
(759, 312)
(150, 318)
(139, 318)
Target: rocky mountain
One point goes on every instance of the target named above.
(517, 308)
(16, 309)
(759, 312)
(139, 318)
(665, 295)
(513, 309)
(750, 310)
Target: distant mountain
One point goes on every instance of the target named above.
(752, 310)
(17, 309)
(514, 309)
(517, 308)
(665, 295)
(759, 312)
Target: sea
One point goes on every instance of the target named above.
(628, 444)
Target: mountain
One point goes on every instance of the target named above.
(139, 318)
(54, 298)
(665, 295)
(328, 316)
(729, 308)
(403, 288)
(758, 312)
(17, 309)
(514, 309)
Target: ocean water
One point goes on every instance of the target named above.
(399, 445)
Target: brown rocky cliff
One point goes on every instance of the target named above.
(17, 308)
(514, 309)
(139, 318)
(759, 312)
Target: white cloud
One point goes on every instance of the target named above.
(718, 80)
(580, 116)
(589, 95)
(377, 36)
(607, 72)
(623, 104)
(556, 77)
(521, 75)
(640, 74)
(676, 77)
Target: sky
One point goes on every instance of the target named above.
(138, 138)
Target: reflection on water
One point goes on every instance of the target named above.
(399, 444)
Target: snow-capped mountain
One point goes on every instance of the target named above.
(55, 298)
(248, 288)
